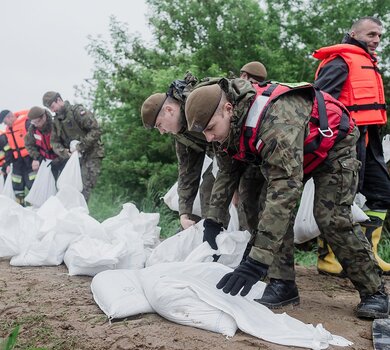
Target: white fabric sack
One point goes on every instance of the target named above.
(1, 183)
(119, 293)
(186, 294)
(89, 256)
(71, 198)
(386, 147)
(8, 190)
(18, 227)
(171, 198)
(177, 247)
(43, 186)
(305, 226)
(71, 174)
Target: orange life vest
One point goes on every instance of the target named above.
(362, 92)
(16, 134)
(329, 123)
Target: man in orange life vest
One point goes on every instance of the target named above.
(37, 140)
(22, 174)
(349, 72)
(289, 131)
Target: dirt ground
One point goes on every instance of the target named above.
(57, 311)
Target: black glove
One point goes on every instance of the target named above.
(245, 275)
(211, 231)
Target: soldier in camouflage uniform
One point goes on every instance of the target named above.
(37, 141)
(222, 112)
(74, 122)
(166, 113)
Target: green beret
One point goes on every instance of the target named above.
(36, 112)
(256, 69)
(151, 108)
(201, 105)
(49, 97)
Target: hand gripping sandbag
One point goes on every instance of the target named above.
(71, 174)
(44, 185)
(386, 147)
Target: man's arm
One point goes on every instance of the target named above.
(332, 76)
(57, 144)
(89, 124)
(30, 144)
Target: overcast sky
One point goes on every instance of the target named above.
(42, 44)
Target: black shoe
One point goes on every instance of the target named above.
(374, 306)
(279, 293)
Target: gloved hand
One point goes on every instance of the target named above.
(211, 231)
(245, 275)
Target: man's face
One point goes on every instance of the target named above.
(218, 128)
(56, 106)
(39, 122)
(168, 120)
(9, 119)
(370, 33)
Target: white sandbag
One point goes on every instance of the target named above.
(171, 198)
(1, 183)
(129, 213)
(43, 252)
(172, 297)
(177, 247)
(71, 174)
(305, 226)
(186, 294)
(231, 247)
(18, 227)
(8, 190)
(89, 256)
(119, 294)
(71, 198)
(43, 186)
(386, 147)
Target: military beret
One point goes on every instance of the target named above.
(36, 112)
(151, 108)
(49, 97)
(3, 114)
(201, 105)
(255, 69)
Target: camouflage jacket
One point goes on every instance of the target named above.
(75, 122)
(30, 142)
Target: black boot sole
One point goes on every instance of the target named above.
(371, 314)
(293, 301)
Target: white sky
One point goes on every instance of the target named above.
(42, 44)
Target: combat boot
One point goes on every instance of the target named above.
(373, 230)
(279, 293)
(374, 306)
(327, 263)
(20, 200)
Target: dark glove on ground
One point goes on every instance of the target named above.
(245, 275)
(211, 231)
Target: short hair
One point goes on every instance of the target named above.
(355, 25)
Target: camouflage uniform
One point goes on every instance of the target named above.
(283, 130)
(74, 122)
(191, 148)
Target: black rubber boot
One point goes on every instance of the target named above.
(279, 293)
(374, 306)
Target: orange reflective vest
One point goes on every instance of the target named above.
(16, 134)
(363, 92)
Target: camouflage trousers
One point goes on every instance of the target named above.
(205, 189)
(90, 170)
(336, 182)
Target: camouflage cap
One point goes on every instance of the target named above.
(3, 114)
(151, 108)
(49, 97)
(36, 112)
(201, 105)
(255, 69)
